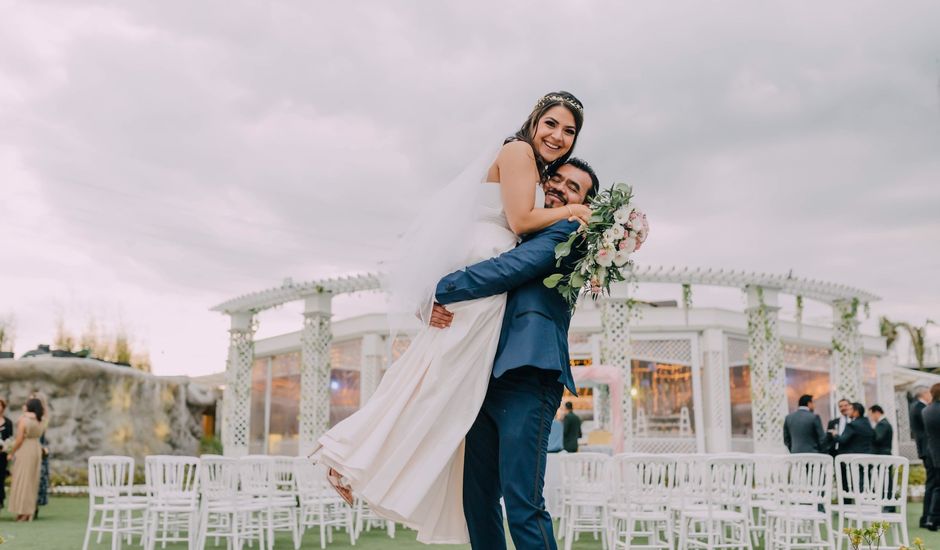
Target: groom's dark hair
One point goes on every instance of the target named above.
(585, 167)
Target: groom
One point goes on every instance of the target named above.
(507, 444)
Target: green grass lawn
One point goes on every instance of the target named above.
(61, 526)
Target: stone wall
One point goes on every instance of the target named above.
(98, 408)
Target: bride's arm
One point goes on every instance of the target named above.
(518, 177)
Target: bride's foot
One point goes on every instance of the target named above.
(336, 481)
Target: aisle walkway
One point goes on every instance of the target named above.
(61, 526)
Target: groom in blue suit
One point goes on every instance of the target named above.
(507, 445)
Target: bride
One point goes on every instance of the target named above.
(403, 451)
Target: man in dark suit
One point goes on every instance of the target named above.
(802, 429)
(921, 400)
(931, 418)
(838, 424)
(572, 427)
(858, 436)
(506, 448)
(884, 433)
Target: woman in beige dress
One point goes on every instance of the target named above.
(27, 459)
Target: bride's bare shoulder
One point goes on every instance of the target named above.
(514, 150)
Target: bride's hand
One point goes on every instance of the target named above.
(579, 213)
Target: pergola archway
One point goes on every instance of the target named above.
(763, 290)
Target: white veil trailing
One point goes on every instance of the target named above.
(434, 245)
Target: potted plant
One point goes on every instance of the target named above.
(869, 538)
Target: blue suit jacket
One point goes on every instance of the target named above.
(535, 325)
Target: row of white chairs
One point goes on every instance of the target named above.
(194, 500)
(655, 501)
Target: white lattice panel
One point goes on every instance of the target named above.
(903, 414)
(677, 352)
(314, 378)
(237, 400)
(768, 377)
(846, 353)
(615, 350)
(665, 445)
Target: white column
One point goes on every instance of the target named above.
(615, 350)
(768, 375)
(236, 404)
(315, 371)
(371, 369)
(846, 352)
(717, 386)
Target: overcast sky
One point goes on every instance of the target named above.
(157, 158)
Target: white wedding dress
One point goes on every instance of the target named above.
(403, 451)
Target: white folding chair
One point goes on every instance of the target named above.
(172, 487)
(767, 470)
(222, 511)
(320, 506)
(585, 491)
(873, 489)
(257, 480)
(803, 511)
(366, 519)
(719, 514)
(639, 502)
(110, 484)
(284, 497)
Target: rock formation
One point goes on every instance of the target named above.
(99, 408)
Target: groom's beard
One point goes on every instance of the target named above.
(553, 199)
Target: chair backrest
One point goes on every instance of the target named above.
(110, 476)
(218, 478)
(877, 480)
(256, 473)
(584, 473)
(641, 480)
(172, 477)
(728, 482)
(805, 480)
(282, 475)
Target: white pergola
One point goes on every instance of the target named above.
(768, 385)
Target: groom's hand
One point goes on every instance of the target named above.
(441, 317)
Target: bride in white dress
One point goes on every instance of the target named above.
(403, 451)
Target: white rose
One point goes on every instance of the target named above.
(622, 215)
(621, 258)
(612, 234)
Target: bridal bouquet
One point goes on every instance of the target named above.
(616, 230)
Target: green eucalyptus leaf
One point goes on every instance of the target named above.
(552, 280)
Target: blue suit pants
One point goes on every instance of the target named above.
(505, 456)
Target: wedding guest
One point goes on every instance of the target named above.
(6, 432)
(838, 424)
(42, 494)
(921, 400)
(884, 433)
(931, 417)
(572, 426)
(26, 456)
(802, 429)
(858, 435)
